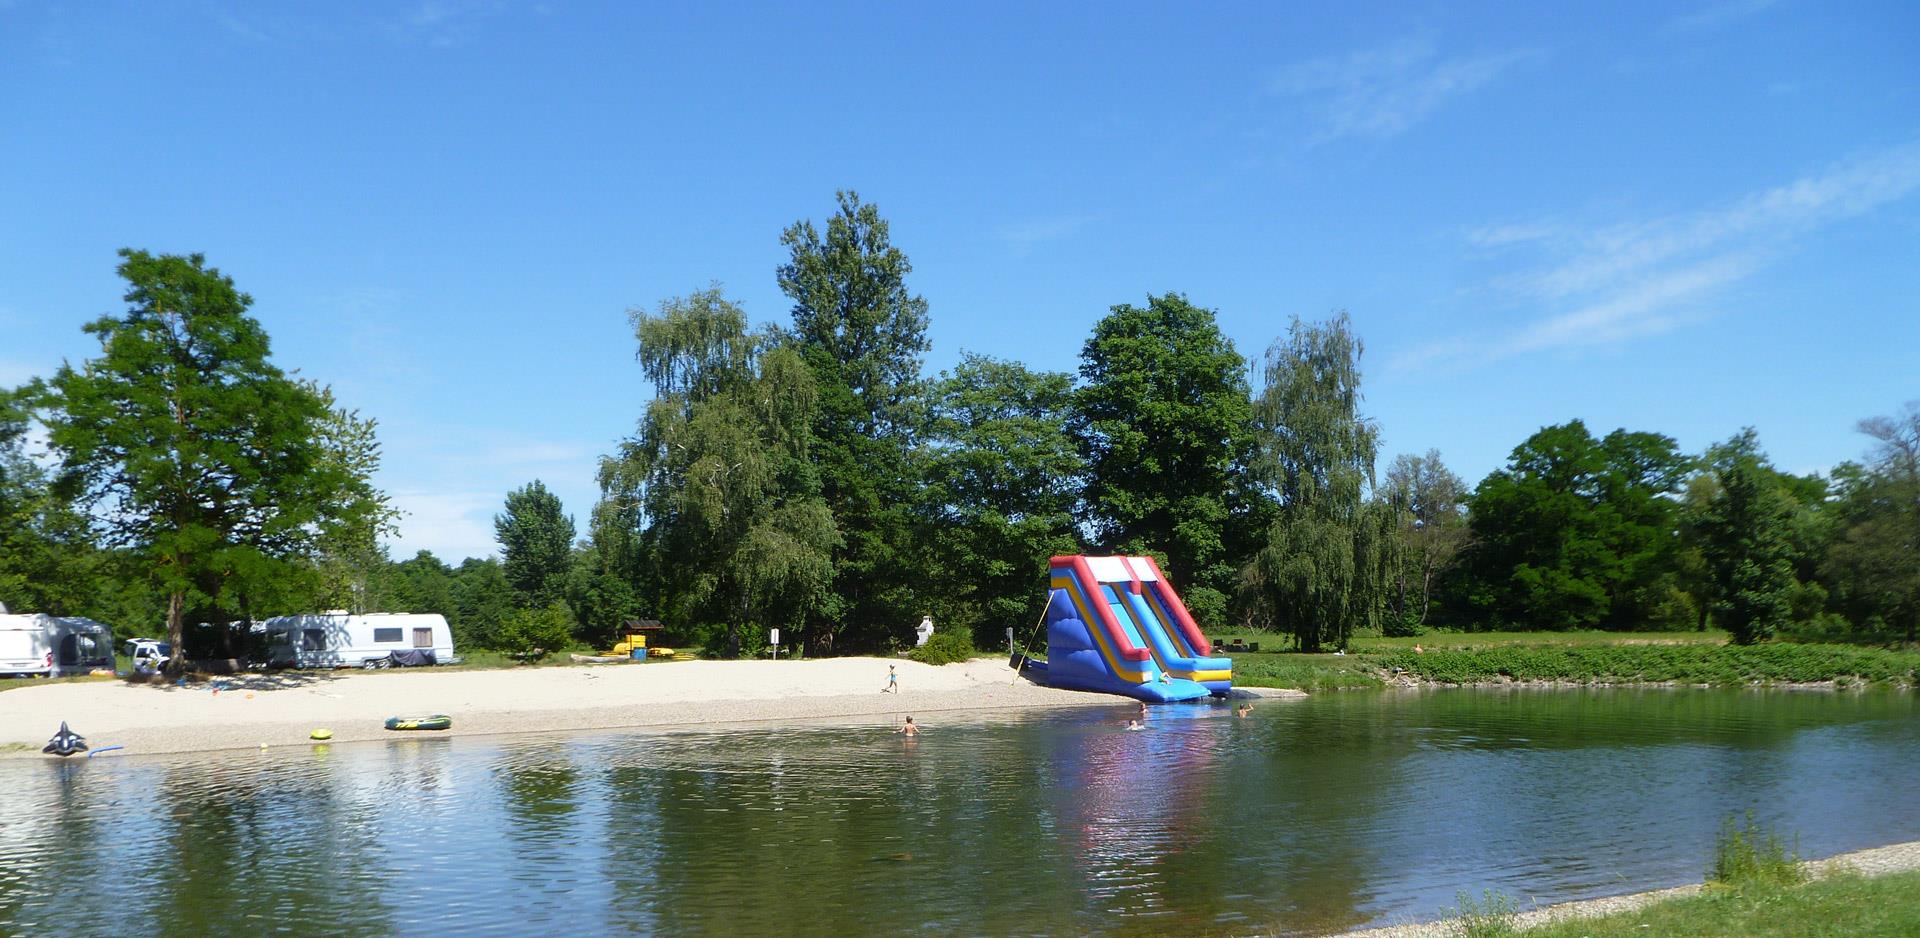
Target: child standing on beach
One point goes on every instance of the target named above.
(893, 684)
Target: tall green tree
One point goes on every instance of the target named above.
(1432, 528)
(1002, 480)
(861, 333)
(1874, 562)
(483, 603)
(1576, 532)
(191, 445)
(1324, 569)
(536, 544)
(739, 533)
(1164, 422)
(1745, 538)
(48, 562)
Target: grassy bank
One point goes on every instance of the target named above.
(1843, 904)
(1702, 658)
(1718, 665)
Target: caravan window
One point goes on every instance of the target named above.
(313, 640)
(384, 636)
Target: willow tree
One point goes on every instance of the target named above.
(720, 473)
(1326, 564)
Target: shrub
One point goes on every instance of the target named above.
(944, 648)
(545, 631)
(1750, 854)
(1493, 916)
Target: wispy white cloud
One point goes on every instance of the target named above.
(1716, 15)
(444, 23)
(1028, 233)
(1512, 233)
(454, 525)
(1382, 91)
(1638, 278)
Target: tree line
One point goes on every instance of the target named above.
(810, 475)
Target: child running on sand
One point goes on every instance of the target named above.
(893, 683)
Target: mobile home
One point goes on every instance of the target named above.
(339, 640)
(40, 645)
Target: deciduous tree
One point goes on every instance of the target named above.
(861, 333)
(1164, 422)
(536, 544)
(186, 440)
(1323, 571)
(1003, 477)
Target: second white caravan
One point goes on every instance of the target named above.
(340, 640)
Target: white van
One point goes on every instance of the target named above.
(339, 640)
(40, 645)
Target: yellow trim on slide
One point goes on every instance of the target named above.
(1095, 630)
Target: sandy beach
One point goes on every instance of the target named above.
(281, 709)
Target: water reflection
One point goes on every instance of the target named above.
(1308, 817)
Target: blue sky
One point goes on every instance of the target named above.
(1685, 218)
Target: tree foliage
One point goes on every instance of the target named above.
(720, 468)
(536, 544)
(861, 333)
(189, 444)
(1874, 561)
(1323, 571)
(1576, 532)
(1164, 423)
(1428, 499)
(1002, 479)
(1745, 542)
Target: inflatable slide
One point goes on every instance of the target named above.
(1115, 624)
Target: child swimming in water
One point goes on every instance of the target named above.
(908, 728)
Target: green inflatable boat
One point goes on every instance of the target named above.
(438, 721)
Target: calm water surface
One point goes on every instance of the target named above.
(1311, 816)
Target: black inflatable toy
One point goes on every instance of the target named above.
(66, 742)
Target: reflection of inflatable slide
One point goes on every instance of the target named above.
(1114, 624)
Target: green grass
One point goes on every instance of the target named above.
(1749, 855)
(1717, 665)
(1303, 672)
(1495, 639)
(1847, 904)
(15, 683)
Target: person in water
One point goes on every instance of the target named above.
(1244, 710)
(1134, 725)
(893, 683)
(908, 728)
(1143, 711)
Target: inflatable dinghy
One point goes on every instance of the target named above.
(438, 721)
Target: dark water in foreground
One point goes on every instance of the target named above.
(1310, 816)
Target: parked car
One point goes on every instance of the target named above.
(148, 653)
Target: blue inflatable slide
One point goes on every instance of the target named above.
(1115, 625)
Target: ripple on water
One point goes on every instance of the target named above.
(1317, 814)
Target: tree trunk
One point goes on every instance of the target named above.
(177, 632)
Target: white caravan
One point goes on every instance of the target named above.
(40, 645)
(339, 640)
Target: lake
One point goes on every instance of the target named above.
(1310, 816)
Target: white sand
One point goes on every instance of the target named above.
(281, 709)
